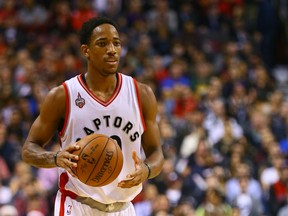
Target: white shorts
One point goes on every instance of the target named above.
(67, 206)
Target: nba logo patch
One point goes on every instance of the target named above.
(69, 210)
(80, 102)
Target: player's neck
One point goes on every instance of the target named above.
(102, 86)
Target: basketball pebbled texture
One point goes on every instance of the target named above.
(100, 160)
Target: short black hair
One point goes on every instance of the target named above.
(88, 27)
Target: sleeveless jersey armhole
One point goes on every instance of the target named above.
(67, 101)
(139, 104)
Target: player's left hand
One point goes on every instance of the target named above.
(138, 176)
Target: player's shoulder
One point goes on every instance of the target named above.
(54, 103)
(147, 98)
(56, 95)
(145, 90)
(57, 92)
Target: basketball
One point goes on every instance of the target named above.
(100, 160)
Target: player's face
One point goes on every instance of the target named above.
(104, 50)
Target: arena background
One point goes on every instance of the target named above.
(219, 71)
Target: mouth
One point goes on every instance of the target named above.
(112, 61)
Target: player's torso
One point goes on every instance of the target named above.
(119, 117)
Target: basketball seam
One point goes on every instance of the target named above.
(98, 158)
(116, 162)
(80, 153)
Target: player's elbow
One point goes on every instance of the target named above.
(25, 154)
(161, 163)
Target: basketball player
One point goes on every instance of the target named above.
(104, 101)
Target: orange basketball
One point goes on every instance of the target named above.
(100, 160)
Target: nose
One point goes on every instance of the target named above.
(111, 49)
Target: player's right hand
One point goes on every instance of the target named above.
(66, 159)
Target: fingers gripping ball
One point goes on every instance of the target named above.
(100, 160)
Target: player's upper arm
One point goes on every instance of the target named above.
(151, 137)
(51, 115)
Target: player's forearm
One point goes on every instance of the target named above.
(37, 156)
(155, 162)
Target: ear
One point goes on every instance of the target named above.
(85, 50)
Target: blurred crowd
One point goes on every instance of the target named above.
(219, 69)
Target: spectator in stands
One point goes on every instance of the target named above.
(6, 86)
(262, 83)
(135, 13)
(239, 102)
(60, 21)
(214, 204)
(13, 36)
(5, 191)
(213, 20)
(161, 206)
(253, 187)
(258, 122)
(190, 142)
(33, 17)
(184, 208)
(245, 202)
(193, 174)
(82, 13)
(220, 126)
(145, 206)
(8, 210)
(278, 191)
(162, 14)
(277, 121)
(9, 151)
(271, 173)
(110, 8)
(200, 77)
(7, 10)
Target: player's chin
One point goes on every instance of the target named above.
(111, 71)
(113, 67)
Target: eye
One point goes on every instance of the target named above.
(117, 43)
(101, 44)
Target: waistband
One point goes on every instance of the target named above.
(113, 207)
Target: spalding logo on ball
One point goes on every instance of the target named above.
(100, 160)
